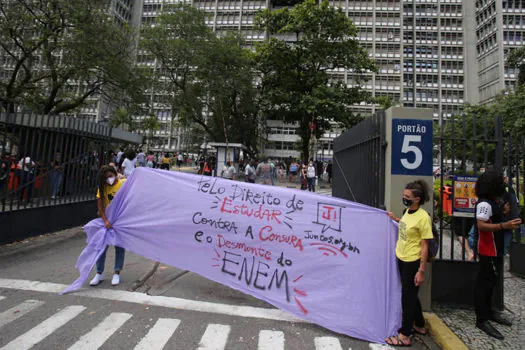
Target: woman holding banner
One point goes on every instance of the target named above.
(108, 186)
(415, 228)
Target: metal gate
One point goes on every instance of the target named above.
(359, 162)
(56, 185)
(466, 146)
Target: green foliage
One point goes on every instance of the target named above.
(178, 42)
(511, 107)
(481, 121)
(458, 134)
(296, 84)
(61, 52)
(437, 197)
(122, 117)
(228, 79)
(199, 71)
(150, 123)
(385, 101)
(516, 59)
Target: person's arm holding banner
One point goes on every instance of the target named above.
(393, 217)
(102, 211)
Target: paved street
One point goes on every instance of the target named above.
(171, 309)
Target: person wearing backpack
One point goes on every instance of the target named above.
(310, 175)
(412, 251)
(490, 190)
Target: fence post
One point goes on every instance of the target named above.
(498, 298)
(409, 156)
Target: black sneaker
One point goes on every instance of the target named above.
(500, 320)
(486, 327)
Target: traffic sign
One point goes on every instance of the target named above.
(412, 141)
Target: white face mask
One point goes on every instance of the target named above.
(110, 180)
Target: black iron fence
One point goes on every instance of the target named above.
(51, 160)
(359, 162)
(464, 147)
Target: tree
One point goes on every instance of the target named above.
(201, 72)
(58, 53)
(228, 77)
(458, 136)
(516, 59)
(122, 117)
(150, 124)
(511, 107)
(297, 86)
(178, 43)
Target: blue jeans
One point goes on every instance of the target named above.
(119, 259)
(56, 182)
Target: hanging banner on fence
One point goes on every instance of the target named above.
(464, 194)
(323, 259)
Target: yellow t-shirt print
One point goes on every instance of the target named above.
(413, 228)
(111, 191)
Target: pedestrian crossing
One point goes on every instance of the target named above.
(215, 336)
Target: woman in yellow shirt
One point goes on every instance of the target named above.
(109, 184)
(415, 228)
(166, 162)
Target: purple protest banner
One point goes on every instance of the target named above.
(323, 259)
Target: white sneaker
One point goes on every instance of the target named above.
(115, 280)
(97, 279)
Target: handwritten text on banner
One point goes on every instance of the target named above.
(323, 259)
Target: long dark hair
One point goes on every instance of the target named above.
(130, 154)
(490, 184)
(419, 189)
(102, 180)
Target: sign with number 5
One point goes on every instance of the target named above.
(412, 147)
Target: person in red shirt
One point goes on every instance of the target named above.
(490, 189)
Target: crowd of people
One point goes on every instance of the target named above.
(157, 160)
(62, 175)
(269, 172)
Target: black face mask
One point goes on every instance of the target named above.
(407, 202)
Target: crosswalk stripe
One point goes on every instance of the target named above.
(215, 337)
(159, 334)
(374, 346)
(271, 340)
(327, 343)
(18, 311)
(98, 335)
(1, 298)
(44, 329)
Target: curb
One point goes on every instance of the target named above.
(39, 241)
(442, 335)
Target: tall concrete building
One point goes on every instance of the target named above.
(437, 54)
(420, 48)
(98, 107)
(434, 56)
(223, 17)
(500, 28)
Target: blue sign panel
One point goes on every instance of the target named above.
(412, 141)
